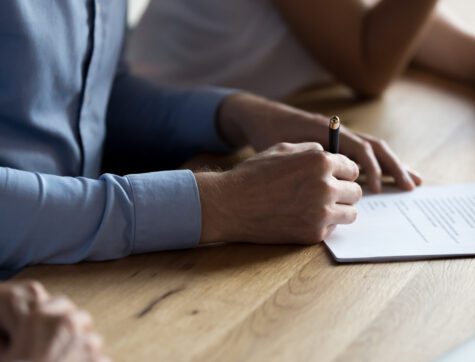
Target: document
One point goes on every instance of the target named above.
(430, 222)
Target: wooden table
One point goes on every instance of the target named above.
(288, 303)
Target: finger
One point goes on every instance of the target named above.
(416, 177)
(57, 305)
(289, 148)
(342, 214)
(82, 321)
(367, 158)
(306, 146)
(347, 192)
(17, 302)
(37, 291)
(343, 168)
(393, 166)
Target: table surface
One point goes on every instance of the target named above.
(261, 303)
(288, 303)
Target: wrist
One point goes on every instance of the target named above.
(247, 119)
(228, 123)
(214, 216)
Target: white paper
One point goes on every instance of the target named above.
(430, 222)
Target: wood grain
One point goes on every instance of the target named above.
(286, 303)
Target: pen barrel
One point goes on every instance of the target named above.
(334, 140)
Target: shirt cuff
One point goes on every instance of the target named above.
(167, 211)
(197, 118)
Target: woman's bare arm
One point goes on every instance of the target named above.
(365, 46)
(448, 47)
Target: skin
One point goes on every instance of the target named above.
(366, 44)
(37, 327)
(448, 48)
(307, 190)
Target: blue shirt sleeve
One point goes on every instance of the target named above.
(53, 219)
(46, 218)
(52, 119)
(162, 124)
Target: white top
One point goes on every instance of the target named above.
(234, 43)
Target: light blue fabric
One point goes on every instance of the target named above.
(60, 94)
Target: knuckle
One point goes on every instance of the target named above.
(355, 172)
(382, 144)
(283, 146)
(315, 154)
(35, 288)
(321, 160)
(366, 146)
(359, 191)
(326, 187)
(324, 213)
(31, 284)
(318, 147)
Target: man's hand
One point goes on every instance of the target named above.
(248, 119)
(291, 193)
(37, 327)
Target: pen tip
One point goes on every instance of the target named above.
(334, 122)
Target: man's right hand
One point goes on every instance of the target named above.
(290, 193)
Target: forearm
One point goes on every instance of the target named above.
(53, 219)
(152, 127)
(448, 48)
(391, 30)
(243, 116)
(364, 46)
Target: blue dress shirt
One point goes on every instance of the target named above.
(61, 92)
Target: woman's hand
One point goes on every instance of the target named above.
(37, 327)
(248, 119)
(376, 158)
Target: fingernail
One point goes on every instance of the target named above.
(415, 173)
(416, 178)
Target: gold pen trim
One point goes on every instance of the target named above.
(334, 122)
